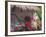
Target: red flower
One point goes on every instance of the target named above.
(28, 25)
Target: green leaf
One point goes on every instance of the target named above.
(39, 13)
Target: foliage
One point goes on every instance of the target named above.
(39, 12)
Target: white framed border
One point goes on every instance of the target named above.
(27, 32)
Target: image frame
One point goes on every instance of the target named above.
(6, 18)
